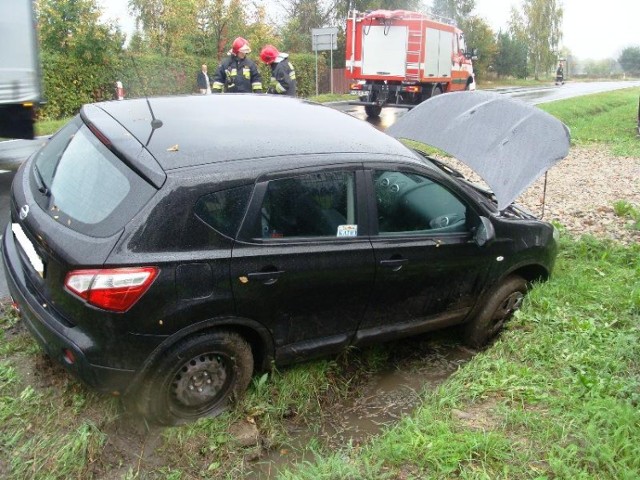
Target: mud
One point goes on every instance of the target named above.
(419, 365)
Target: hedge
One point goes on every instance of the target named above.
(69, 83)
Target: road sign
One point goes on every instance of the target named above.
(324, 39)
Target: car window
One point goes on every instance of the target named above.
(84, 186)
(319, 204)
(412, 204)
(224, 210)
(47, 159)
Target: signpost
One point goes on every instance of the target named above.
(323, 39)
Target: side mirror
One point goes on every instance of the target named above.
(485, 234)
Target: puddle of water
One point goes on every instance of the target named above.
(380, 402)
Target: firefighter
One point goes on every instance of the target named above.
(237, 73)
(283, 75)
(559, 75)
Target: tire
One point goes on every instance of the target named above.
(500, 304)
(198, 377)
(372, 110)
(431, 92)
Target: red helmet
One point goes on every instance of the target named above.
(240, 45)
(268, 54)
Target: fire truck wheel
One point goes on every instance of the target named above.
(437, 90)
(372, 110)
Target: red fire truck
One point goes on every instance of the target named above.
(399, 58)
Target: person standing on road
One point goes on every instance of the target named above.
(204, 85)
(559, 74)
(283, 75)
(237, 73)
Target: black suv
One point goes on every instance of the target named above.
(165, 248)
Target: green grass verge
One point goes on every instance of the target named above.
(49, 127)
(556, 397)
(606, 118)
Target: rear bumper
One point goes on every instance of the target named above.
(376, 104)
(51, 333)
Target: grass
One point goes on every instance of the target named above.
(557, 396)
(625, 209)
(49, 127)
(607, 118)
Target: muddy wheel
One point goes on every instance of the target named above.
(372, 110)
(198, 377)
(500, 304)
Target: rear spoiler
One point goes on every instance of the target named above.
(123, 144)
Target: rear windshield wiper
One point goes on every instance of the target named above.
(42, 186)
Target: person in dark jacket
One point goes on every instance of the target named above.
(237, 73)
(204, 84)
(283, 75)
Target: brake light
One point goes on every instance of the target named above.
(412, 89)
(101, 136)
(355, 86)
(115, 289)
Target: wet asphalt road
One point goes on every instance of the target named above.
(13, 152)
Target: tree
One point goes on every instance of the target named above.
(167, 24)
(511, 56)
(458, 10)
(218, 23)
(73, 28)
(629, 60)
(301, 17)
(479, 35)
(80, 55)
(543, 20)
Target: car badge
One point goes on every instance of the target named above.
(24, 211)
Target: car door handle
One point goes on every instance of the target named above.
(267, 278)
(394, 264)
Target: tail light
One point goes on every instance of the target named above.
(116, 289)
(355, 86)
(412, 89)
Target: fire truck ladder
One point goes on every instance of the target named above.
(415, 43)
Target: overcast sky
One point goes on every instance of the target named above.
(591, 29)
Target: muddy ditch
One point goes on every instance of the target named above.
(377, 397)
(378, 401)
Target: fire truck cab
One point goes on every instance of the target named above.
(399, 58)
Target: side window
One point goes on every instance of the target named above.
(319, 204)
(462, 47)
(412, 204)
(224, 210)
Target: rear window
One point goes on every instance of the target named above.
(84, 186)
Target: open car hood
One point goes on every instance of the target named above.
(507, 142)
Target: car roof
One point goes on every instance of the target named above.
(203, 129)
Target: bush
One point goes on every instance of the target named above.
(70, 82)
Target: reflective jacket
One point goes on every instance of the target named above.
(236, 74)
(283, 77)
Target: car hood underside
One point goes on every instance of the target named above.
(507, 142)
